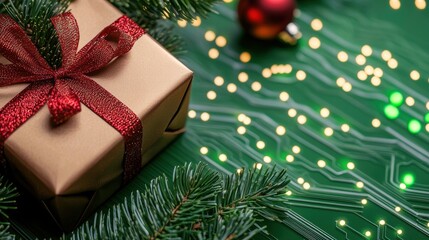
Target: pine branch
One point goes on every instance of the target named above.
(260, 190)
(8, 194)
(198, 204)
(156, 17)
(164, 210)
(34, 16)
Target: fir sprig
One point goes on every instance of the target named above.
(34, 16)
(155, 16)
(198, 203)
(8, 193)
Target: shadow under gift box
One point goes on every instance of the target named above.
(74, 167)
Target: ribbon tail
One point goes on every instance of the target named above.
(117, 115)
(21, 108)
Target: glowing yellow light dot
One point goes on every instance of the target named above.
(369, 69)
(243, 77)
(360, 59)
(247, 121)
(196, 22)
(340, 81)
(345, 127)
(328, 131)
(321, 163)
(366, 50)
(324, 112)
(241, 117)
(241, 130)
(364, 201)
(386, 55)
(210, 36)
(378, 72)
(182, 23)
(420, 4)
(267, 159)
(415, 75)
(258, 165)
(306, 185)
(287, 68)
(204, 150)
(351, 166)
(221, 41)
(266, 73)
(260, 144)
(402, 186)
(382, 222)
(256, 86)
(288, 193)
(342, 56)
(300, 180)
(359, 184)
(223, 157)
(301, 119)
(275, 69)
(397, 209)
(227, 1)
(211, 95)
(395, 4)
(427, 224)
(213, 53)
(427, 105)
(368, 233)
(296, 149)
(301, 75)
(239, 171)
(362, 75)
(376, 123)
(316, 24)
(399, 232)
(410, 101)
(291, 112)
(245, 57)
(232, 88)
(347, 87)
(219, 81)
(342, 222)
(392, 63)
(375, 81)
(192, 114)
(280, 130)
(314, 43)
(290, 158)
(284, 96)
(205, 116)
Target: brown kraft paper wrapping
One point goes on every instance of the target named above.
(74, 167)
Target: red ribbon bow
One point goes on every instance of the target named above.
(65, 88)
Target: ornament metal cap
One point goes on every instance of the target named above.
(291, 34)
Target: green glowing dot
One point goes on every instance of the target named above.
(414, 126)
(427, 117)
(391, 111)
(408, 179)
(396, 99)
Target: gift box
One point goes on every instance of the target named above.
(75, 166)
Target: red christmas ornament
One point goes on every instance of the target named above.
(266, 19)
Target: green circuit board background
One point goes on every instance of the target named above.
(355, 173)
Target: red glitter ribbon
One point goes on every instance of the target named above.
(65, 88)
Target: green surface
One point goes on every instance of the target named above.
(360, 162)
